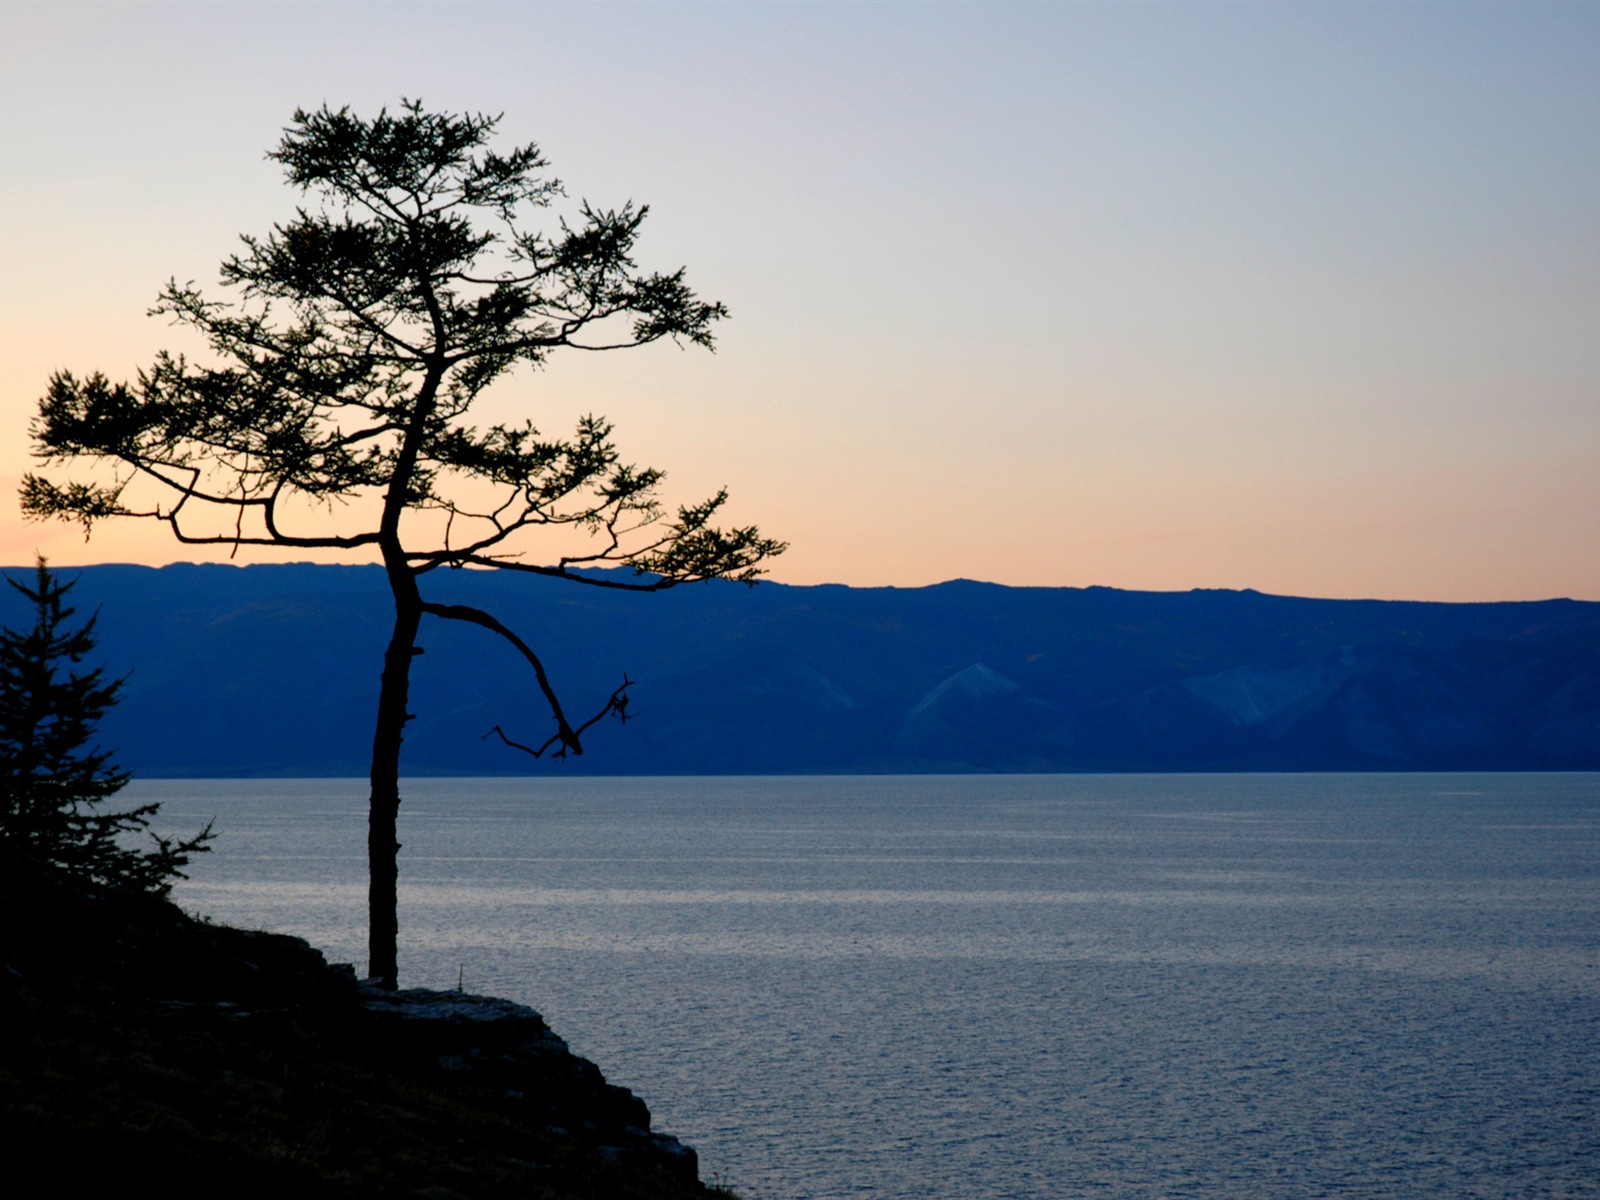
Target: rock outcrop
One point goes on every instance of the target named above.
(149, 1053)
(506, 1052)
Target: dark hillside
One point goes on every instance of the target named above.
(272, 670)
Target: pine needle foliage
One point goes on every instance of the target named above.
(53, 781)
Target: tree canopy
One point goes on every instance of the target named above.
(333, 411)
(364, 331)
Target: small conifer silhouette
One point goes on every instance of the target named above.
(53, 780)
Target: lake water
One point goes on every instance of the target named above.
(1006, 986)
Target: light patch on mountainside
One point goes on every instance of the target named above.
(807, 681)
(1250, 695)
(821, 683)
(797, 680)
(974, 683)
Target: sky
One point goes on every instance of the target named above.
(1296, 297)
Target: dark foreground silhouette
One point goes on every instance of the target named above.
(149, 1052)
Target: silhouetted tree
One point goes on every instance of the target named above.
(364, 331)
(52, 782)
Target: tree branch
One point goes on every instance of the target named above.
(565, 733)
(618, 703)
(462, 560)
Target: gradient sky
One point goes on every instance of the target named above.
(1304, 298)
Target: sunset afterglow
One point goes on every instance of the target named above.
(1298, 298)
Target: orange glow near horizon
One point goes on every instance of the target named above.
(1041, 295)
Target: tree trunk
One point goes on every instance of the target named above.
(383, 843)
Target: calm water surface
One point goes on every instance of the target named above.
(1039, 986)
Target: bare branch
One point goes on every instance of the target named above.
(475, 560)
(475, 616)
(617, 703)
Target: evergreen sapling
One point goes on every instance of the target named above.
(53, 781)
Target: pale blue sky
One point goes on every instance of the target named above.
(1296, 297)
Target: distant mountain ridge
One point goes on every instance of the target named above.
(272, 671)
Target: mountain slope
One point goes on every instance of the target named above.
(272, 670)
